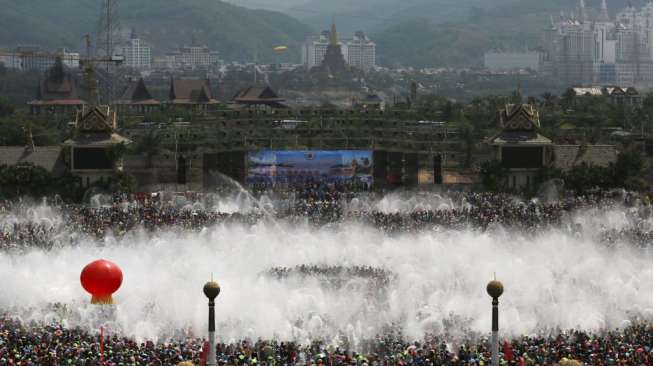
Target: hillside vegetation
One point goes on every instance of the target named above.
(238, 33)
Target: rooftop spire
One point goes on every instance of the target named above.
(581, 11)
(604, 16)
(333, 37)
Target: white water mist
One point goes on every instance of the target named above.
(553, 279)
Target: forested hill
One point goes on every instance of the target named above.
(238, 33)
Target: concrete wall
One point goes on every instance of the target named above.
(161, 173)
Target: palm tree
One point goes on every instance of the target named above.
(549, 100)
(467, 136)
(115, 153)
(150, 144)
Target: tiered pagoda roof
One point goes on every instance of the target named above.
(58, 87)
(137, 93)
(333, 61)
(191, 91)
(259, 95)
(95, 126)
(520, 124)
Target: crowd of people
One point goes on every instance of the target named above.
(470, 211)
(335, 276)
(27, 344)
(54, 345)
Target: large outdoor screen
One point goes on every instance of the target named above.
(301, 167)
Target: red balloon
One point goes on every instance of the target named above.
(101, 279)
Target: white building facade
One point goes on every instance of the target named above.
(193, 57)
(580, 50)
(359, 52)
(314, 50)
(138, 54)
(34, 58)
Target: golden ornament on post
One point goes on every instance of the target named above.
(211, 290)
(495, 289)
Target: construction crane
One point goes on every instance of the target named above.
(90, 79)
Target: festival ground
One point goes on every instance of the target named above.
(341, 280)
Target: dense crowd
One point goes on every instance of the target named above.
(472, 210)
(54, 345)
(335, 276)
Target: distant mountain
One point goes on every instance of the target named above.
(368, 15)
(276, 5)
(238, 33)
(375, 15)
(511, 24)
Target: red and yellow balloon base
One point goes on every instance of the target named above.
(101, 279)
(102, 300)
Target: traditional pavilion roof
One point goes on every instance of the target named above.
(191, 91)
(519, 117)
(96, 119)
(520, 124)
(58, 87)
(95, 126)
(137, 93)
(259, 95)
(101, 140)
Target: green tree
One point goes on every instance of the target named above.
(116, 152)
(24, 179)
(568, 99)
(584, 177)
(69, 187)
(547, 173)
(125, 183)
(6, 107)
(150, 144)
(629, 169)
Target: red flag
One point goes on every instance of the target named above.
(205, 354)
(101, 346)
(507, 351)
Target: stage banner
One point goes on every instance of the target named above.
(294, 167)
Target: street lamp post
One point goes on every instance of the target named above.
(211, 290)
(495, 289)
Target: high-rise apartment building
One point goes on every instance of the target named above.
(193, 57)
(35, 58)
(359, 52)
(581, 50)
(314, 50)
(138, 54)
